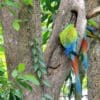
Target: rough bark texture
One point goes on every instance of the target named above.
(10, 39)
(18, 49)
(17, 44)
(94, 67)
(54, 54)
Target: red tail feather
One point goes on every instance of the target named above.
(75, 65)
(84, 45)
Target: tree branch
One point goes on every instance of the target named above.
(94, 12)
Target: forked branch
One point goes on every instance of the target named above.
(94, 12)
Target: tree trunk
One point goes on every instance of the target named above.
(18, 49)
(17, 44)
(94, 67)
(59, 65)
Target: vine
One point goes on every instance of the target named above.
(39, 66)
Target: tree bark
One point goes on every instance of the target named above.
(94, 59)
(54, 51)
(17, 44)
(18, 49)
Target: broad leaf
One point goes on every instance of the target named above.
(14, 73)
(39, 73)
(46, 83)
(18, 93)
(48, 96)
(28, 2)
(21, 67)
(24, 85)
(16, 25)
(31, 78)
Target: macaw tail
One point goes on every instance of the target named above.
(85, 61)
(78, 84)
(75, 64)
(76, 71)
(84, 50)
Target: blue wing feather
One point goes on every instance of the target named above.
(90, 28)
(85, 62)
(78, 85)
(70, 48)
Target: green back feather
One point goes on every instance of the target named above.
(68, 35)
(91, 22)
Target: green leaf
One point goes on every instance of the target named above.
(43, 70)
(12, 4)
(14, 73)
(35, 66)
(35, 59)
(71, 90)
(31, 78)
(41, 58)
(53, 4)
(28, 2)
(24, 85)
(45, 37)
(37, 40)
(39, 73)
(2, 4)
(39, 49)
(42, 64)
(16, 25)
(18, 93)
(64, 89)
(2, 71)
(21, 67)
(34, 51)
(46, 83)
(44, 98)
(92, 22)
(12, 96)
(48, 96)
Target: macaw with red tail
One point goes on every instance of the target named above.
(68, 38)
(90, 29)
(83, 53)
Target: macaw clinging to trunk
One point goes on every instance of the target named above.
(68, 39)
(91, 29)
(83, 53)
(91, 25)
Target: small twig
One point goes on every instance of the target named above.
(94, 12)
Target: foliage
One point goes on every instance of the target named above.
(21, 81)
(39, 65)
(49, 9)
(38, 60)
(14, 89)
(16, 24)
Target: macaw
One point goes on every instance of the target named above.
(68, 39)
(91, 25)
(83, 53)
(90, 29)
